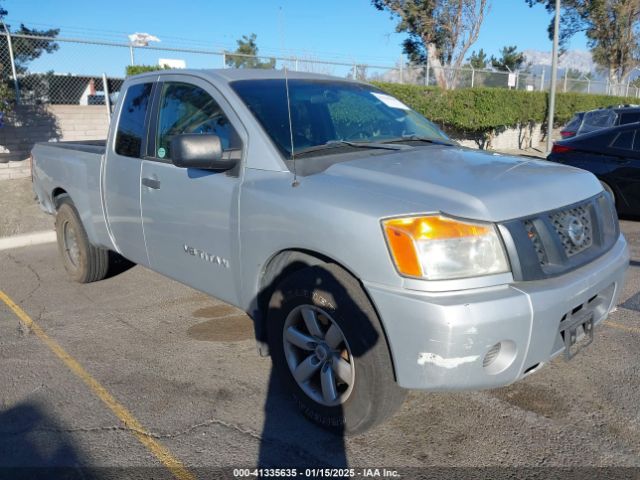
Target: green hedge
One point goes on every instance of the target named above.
(136, 69)
(479, 110)
(483, 110)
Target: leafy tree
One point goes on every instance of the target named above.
(612, 28)
(248, 55)
(130, 70)
(575, 74)
(479, 60)
(577, 80)
(510, 59)
(25, 50)
(439, 31)
(572, 74)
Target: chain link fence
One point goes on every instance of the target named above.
(45, 70)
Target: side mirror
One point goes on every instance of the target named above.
(196, 150)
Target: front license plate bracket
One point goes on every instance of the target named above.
(577, 335)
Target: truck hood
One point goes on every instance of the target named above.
(467, 183)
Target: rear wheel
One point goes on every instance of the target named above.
(83, 262)
(329, 350)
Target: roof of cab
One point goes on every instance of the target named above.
(233, 74)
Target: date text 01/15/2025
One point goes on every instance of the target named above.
(316, 472)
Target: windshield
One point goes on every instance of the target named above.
(327, 112)
(597, 119)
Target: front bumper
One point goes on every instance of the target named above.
(438, 341)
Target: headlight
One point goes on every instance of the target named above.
(440, 248)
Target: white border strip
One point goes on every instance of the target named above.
(36, 238)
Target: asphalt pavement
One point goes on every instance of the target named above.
(184, 367)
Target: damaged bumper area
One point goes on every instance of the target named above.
(490, 337)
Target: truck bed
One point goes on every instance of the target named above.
(89, 146)
(72, 168)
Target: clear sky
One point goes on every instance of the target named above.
(347, 30)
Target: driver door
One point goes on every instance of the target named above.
(190, 215)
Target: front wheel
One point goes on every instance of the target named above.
(329, 350)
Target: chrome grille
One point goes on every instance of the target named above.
(574, 228)
(558, 241)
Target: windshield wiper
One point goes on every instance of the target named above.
(416, 138)
(341, 143)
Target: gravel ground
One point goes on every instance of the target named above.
(20, 212)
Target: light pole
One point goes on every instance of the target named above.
(139, 40)
(554, 75)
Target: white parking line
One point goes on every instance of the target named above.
(36, 238)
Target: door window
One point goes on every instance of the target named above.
(186, 108)
(624, 140)
(629, 118)
(131, 127)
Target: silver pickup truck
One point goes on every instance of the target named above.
(373, 253)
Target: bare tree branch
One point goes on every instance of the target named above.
(439, 31)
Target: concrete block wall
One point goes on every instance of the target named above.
(30, 124)
(81, 122)
(511, 138)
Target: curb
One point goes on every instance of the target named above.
(29, 239)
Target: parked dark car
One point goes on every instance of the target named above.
(585, 122)
(612, 155)
(572, 127)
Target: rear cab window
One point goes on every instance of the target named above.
(131, 125)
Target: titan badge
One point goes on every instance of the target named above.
(208, 257)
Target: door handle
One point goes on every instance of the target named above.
(151, 183)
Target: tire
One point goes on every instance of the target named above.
(83, 262)
(366, 393)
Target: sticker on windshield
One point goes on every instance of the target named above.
(161, 152)
(389, 101)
